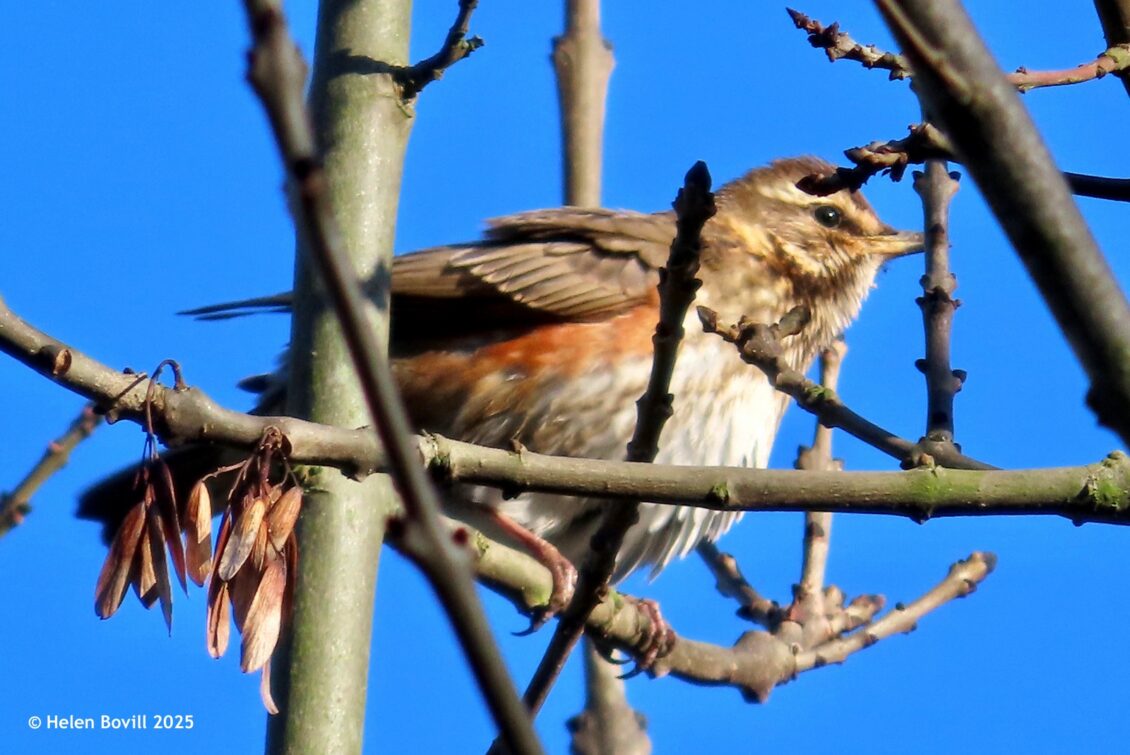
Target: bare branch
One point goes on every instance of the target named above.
(757, 663)
(1093, 493)
(16, 505)
(583, 61)
(456, 46)
(277, 74)
(1114, 15)
(808, 599)
(962, 579)
(1099, 187)
(839, 45)
(992, 132)
(927, 142)
(607, 724)
(936, 187)
(731, 583)
(694, 205)
(760, 345)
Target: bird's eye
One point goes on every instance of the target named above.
(827, 216)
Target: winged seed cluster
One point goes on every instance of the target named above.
(251, 577)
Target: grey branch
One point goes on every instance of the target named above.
(758, 661)
(998, 143)
(1114, 15)
(1093, 493)
(839, 45)
(583, 62)
(277, 73)
(16, 505)
(456, 46)
(936, 187)
(760, 345)
(927, 142)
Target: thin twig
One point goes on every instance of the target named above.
(583, 62)
(809, 595)
(757, 662)
(817, 614)
(760, 345)
(608, 724)
(456, 46)
(839, 45)
(694, 205)
(937, 187)
(1099, 187)
(927, 142)
(16, 505)
(731, 583)
(962, 579)
(277, 73)
(1000, 146)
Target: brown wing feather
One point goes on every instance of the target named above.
(540, 266)
(565, 263)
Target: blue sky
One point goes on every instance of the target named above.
(140, 179)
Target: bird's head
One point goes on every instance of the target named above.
(822, 251)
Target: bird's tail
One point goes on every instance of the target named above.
(109, 500)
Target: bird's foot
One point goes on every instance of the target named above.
(659, 638)
(564, 576)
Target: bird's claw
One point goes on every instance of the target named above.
(606, 651)
(659, 639)
(564, 576)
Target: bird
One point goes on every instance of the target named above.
(539, 334)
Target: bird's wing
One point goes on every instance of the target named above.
(567, 263)
(545, 265)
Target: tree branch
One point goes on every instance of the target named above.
(760, 346)
(757, 662)
(277, 75)
(927, 142)
(608, 724)
(694, 205)
(992, 132)
(456, 46)
(583, 61)
(936, 187)
(808, 598)
(731, 583)
(962, 579)
(839, 45)
(1114, 15)
(1094, 493)
(16, 505)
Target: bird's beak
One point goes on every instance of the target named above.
(891, 243)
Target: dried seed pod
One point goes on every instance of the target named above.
(117, 569)
(283, 515)
(163, 586)
(198, 533)
(243, 533)
(164, 496)
(264, 617)
(219, 618)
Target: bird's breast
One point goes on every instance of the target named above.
(570, 389)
